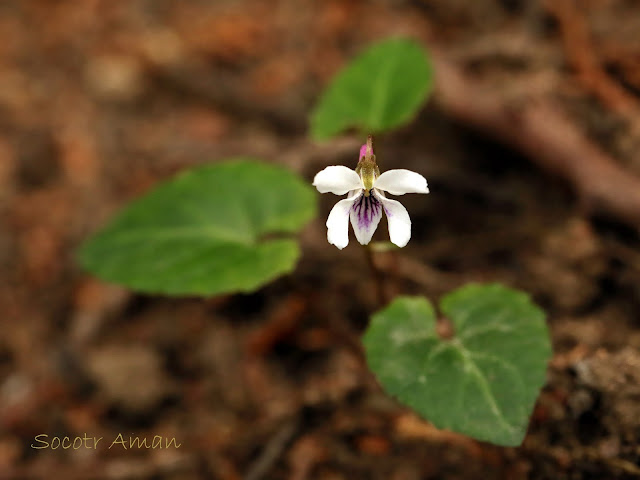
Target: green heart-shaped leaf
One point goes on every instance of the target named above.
(485, 380)
(209, 230)
(381, 89)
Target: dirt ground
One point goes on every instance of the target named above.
(529, 145)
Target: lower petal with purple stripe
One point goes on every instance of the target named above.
(365, 215)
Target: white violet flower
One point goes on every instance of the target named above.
(366, 199)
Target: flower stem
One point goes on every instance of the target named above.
(377, 275)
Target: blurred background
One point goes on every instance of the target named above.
(529, 144)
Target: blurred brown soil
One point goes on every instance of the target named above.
(530, 148)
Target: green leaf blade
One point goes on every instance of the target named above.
(407, 341)
(523, 337)
(484, 381)
(382, 88)
(205, 232)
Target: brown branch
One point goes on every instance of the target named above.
(539, 130)
(273, 450)
(582, 57)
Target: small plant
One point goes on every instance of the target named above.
(229, 227)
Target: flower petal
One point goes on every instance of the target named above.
(399, 182)
(337, 179)
(365, 215)
(399, 221)
(338, 222)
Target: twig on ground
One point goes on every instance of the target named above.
(582, 57)
(273, 450)
(539, 130)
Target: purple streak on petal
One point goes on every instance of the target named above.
(366, 208)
